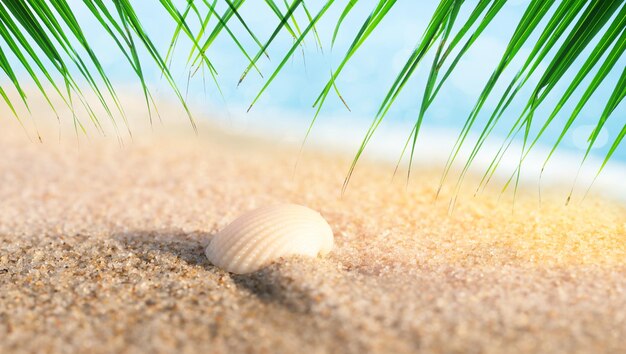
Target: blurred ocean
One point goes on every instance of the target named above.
(285, 109)
(367, 77)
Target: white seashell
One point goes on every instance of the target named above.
(259, 237)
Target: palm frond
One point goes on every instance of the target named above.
(47, 41)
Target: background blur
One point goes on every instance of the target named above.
(285, 109)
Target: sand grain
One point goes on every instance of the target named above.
(102, 250)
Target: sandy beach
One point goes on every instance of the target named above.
(102, 251)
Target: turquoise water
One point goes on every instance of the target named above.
(368, 76)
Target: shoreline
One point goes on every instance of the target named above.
(342, 136)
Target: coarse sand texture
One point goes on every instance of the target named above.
(102, 250)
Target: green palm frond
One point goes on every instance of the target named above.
(46, 40)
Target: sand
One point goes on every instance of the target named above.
(102, 251)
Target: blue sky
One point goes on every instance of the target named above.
(366, 79)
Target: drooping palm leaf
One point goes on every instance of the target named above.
(594, 17)
(283, 24)
(46, 40)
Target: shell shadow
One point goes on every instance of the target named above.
(188, 247)
(270, 285)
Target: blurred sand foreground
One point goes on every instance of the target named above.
(101, 251)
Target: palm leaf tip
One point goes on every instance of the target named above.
(47, 42)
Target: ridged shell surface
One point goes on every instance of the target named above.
(259, 237)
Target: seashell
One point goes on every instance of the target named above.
(259, 237)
